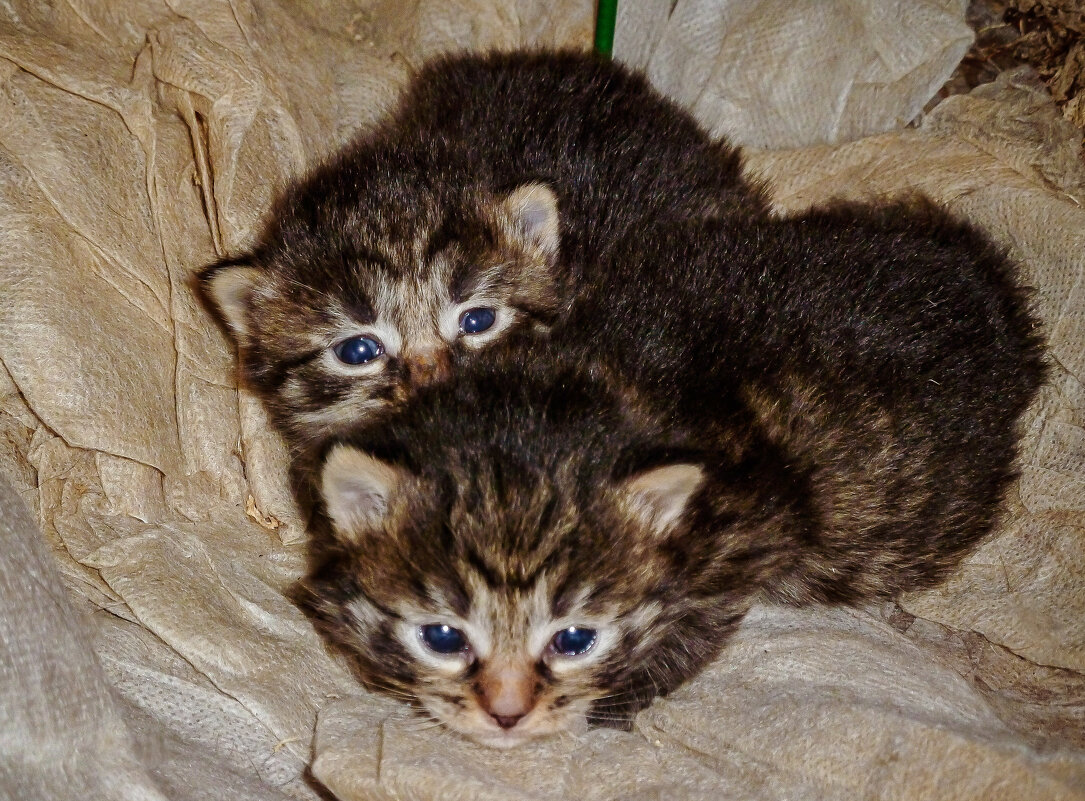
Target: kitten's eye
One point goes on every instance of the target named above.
(573, 641)
(475, 321)
(443, 639)
(358, 350)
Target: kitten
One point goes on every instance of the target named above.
(439, 230)
(515, 555)
(556, 535)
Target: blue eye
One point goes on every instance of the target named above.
(573, 641)
(475, 321)
(358, 350)
(443, 638)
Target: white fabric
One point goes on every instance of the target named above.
(140, 140)
(788, 73)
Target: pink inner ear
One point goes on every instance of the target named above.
(660, 496)
(534, 218)
(231, 287)
(534, 208)
(357, 490)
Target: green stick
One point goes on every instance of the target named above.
(604, 27)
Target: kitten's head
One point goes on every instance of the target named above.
(349, 302)
(532, 572)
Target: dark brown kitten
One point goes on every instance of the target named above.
(822, 409)
(438, 231)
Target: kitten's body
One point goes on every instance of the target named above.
(822, 408)
(830, 418)
(894, 314)
(449, 205)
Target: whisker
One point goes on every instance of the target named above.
(634, 694)
(393, 691)
(566, 736)
(608, 716)
(424, 725)
(610, 695)
(390, 689)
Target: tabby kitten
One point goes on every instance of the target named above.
(439, 232)
(519, 555)
(555, 536)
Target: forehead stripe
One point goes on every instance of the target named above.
(500, 580)
(440, 238)
(358, 253)
(491, 576)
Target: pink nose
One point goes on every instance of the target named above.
(507, 694)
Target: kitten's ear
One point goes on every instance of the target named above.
(533, 211)
(227, 286)
(659, 496)
(357, 490)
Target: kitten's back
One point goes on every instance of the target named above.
(888, 348)
(614, 149)
(900, 299)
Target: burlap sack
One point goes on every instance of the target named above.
(140, 140)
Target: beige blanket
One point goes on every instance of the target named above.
(146, 648)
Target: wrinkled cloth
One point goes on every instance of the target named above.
(146, 647)
(788, 73)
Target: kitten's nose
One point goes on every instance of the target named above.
(508, 694)
(426, 367)
(506, 721)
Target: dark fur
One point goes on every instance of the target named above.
(850, 380)
(617, 153)
(825, 321)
